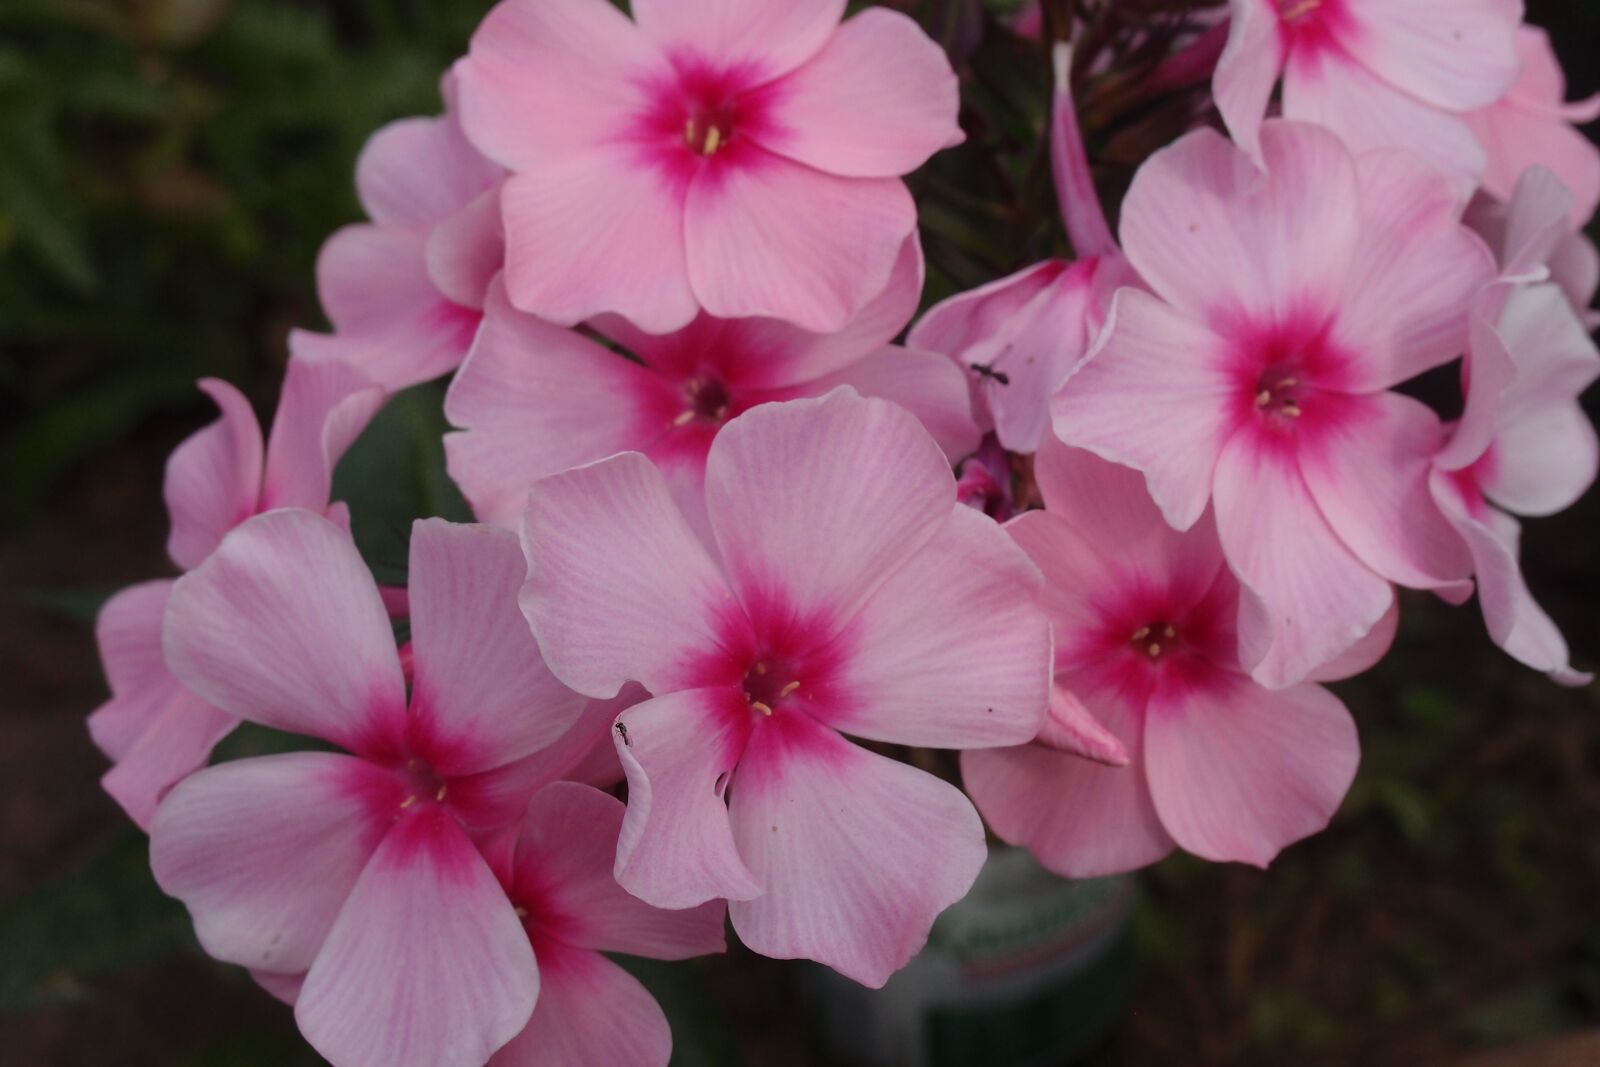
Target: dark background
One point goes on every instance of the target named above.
(168, 169)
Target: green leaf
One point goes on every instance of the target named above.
(105, 917)
(395, 474)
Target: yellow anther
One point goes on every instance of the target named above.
(1170, 632)
(522, 913)
(684, 419)
(713, 141)
(1155, 650)
(1304, 7)
(786, 690)
(443, 789)
(1141, 633)
(1263, 398)
(1292, 411)
(756, 705)
(408, 801)
(760, 668)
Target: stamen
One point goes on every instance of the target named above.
(1154, 650)
(760, 668)
(786, 690)
(1263, 398)
(688, 133)
(1292, 410)
(1141, 633)
(408, 801)
(684, 419)
(756, 705)
(443, 789)
(1305, 7)
(1170, 632)
(713, 141)
(522, 913)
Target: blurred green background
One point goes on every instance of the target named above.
(168, 169)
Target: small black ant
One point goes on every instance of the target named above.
(622, 732)
(998, 377)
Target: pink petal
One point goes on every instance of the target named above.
(1249, 69)
(213, 479)
(480, 691)
(283, 625)
(953, 650)
(584, 754)
(128, 633)
(601, 231)
(427, 964)
(263, 852)
(1110, 509)
(816, 502)
(546, 78)
(1320, 598)
(590, 1011)
(1217, 238)
(1155, 394)
(1518, 140)
(769, 37)
(283, 987)
(753, 247)
(1072, 728)
(565, 852)
(774, 354)
(1079, 818)
(323, 409)
(1490, 372)
(534, 400)
(367, 276)
(924, 383)
(1525, 232)
(859, 853)
(619, 589)
(415, 173)
(1416, 272)
(1365, 653)
(1081, 211)
(1454, 54)
(1238, 772)
(1576, 268)
(175, 745)
(876, 102)
(1367, 470)
(1545, 456)
(1368, 113)
(1514, 619)
(467, 250)
(677, 847)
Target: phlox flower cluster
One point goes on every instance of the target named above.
(753, 535)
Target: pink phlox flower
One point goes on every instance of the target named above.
(555, 867)
(1019, 337)
(850, 594)
(1157, 735)
(1256, 374)
(155, 731)
(1378, 73)
(359, 869)
(744, 159)
(1523, 446)
(405, 291)
(1532, 125)
(1533, 239)
(535, 399)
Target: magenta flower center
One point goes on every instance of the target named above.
(707, 399)
(422, 784)
(1279, 392)
(708, 129)
(1156, 640)
(767, 686)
